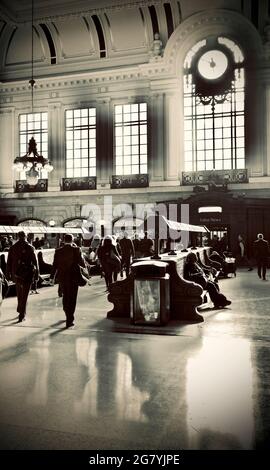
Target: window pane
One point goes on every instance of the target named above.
(208, 133)
(200, 145)
(227, 165)
(218, 165)
(200, 134)
(200, 155)
(200, 166)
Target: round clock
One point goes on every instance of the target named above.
(212, 64)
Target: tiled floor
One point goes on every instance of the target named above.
(203, 386)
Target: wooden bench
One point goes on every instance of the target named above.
(185, 296)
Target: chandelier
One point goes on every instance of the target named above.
(32, 162)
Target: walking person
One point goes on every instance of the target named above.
(65, 258)
(127, 252)
(261, 252)
(110, 260)
(22, 268)
(242, 255)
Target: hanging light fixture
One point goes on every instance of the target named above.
(32, 162)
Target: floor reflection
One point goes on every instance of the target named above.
(219, 388)
(39, 393)
(86, 357)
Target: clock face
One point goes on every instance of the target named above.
(212, 64)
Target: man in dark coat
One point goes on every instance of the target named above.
(127, 251)
(22, 268)
(65, 258)
(261, 252)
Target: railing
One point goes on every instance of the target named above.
(77, 184)
(130, 181)
(23, 187)
(214, 177)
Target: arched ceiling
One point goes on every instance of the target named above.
(83, 35)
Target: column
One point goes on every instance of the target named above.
(173, 136)
(7, 149)
(56, 144)
(104, 143)
(156, 140)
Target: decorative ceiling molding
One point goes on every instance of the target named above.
(6, 14)
(140, 72)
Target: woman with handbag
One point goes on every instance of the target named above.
(110, 260)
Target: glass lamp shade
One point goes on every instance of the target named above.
(18, 166)
(48, 167)
(32, 177)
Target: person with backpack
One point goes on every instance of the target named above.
(22, 269)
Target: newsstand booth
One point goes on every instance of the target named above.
(150, 299)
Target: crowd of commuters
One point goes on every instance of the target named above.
(113, 256)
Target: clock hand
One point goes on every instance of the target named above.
(211, 62)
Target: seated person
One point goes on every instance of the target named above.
(208, 269)
(193, 272)
(220, 258)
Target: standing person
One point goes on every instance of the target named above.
(127, 251)
(146, 246)
(3, 286)
(136, 244)
(110, 260)
(22, 268)
(261, 252)
(242, 256)
(65, 258)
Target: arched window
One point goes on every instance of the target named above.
(214, 106)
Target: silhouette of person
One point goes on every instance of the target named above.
(65, 258)
(243, 259)
(22, 255)
(127, 251)
(261, 251)
(193, 272)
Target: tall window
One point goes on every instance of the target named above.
(81, 142)
(33, 125)
(130, 144)
(214, 106)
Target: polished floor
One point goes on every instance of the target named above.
(94, 386)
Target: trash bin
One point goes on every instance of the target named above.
(150, 299)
